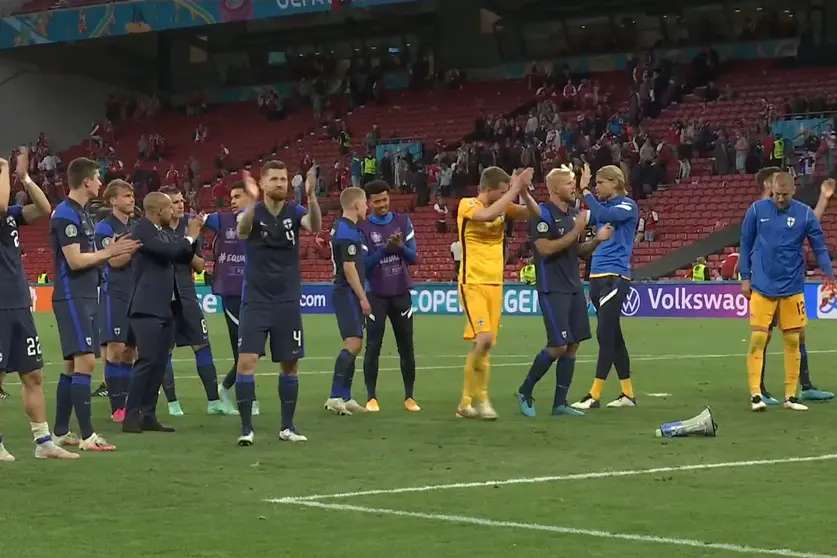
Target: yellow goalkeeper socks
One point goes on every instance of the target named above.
(483, 374)
(596, 390)
(627, 387)
(755, 360)
(470, 380)
(792, 360)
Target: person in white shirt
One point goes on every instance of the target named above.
(456, 253)
(297, 182)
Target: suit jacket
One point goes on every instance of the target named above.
(153, 269)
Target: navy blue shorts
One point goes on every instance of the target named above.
(565, 317)
(78, 326)
(20, 346)
(282, 321)
(349, 315)
(113, 320)
(189, 325)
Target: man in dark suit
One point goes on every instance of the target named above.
(150, 309)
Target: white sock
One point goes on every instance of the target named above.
(39, 430)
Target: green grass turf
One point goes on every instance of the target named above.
(195, 494)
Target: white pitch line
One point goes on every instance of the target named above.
(482, 522)
(459, 365)
(535, 480)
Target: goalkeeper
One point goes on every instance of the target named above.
(772, 267)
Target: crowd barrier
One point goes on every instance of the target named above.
(644, 300)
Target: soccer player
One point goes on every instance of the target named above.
(772, 265)
(272, 290)
(75, 301)
(391, 242)
(190, 324)
(481, 226)
(228, 280)
(809, 392)
(556, 237)
(610, 276)
(351, 305)
(114, 295)
(20, 346)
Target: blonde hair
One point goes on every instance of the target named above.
(492, 178)
(116, 187)
(614, 173)
(350, 196)
(562, 172)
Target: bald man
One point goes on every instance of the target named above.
(150, 309)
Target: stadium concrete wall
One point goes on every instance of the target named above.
(61, 106)
(645, 300)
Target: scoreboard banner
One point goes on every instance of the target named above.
(645, 300)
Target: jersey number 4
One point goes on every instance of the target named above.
(298, 337)
(291, 236)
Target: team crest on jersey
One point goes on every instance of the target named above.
(542, 227)
(791, 221)
(11, 221)
(376, 238)
(117, 330)
(88, 340)
(288, 224)
(105, 241)
(560, 230)
(71, 231)
(230, 234)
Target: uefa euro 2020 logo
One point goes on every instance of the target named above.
(826, 308)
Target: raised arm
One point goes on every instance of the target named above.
(5, 187)
(40, 206)
(620, 213)
(313, 220)
(529, 209)
(826, 193)
(104, 236)
(245, 223)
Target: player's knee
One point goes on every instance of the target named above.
(352, 344)
(483, 342)
(84, 364)
(556, 352)
(115, 352)
(197, 348)
(758, 340)
(32, 380)
(572, 350)
(247, 364)
(129, 355)
(802, 336)
(290, 367)
(791, 339)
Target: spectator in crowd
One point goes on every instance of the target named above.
(219, 194)
(456, 255)
(699, 271)
(729, 269)
(742, 150)
(648, 222)
(527, 272)
(442, 213)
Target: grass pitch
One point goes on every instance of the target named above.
(196, 494)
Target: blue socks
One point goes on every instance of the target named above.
(206, 370)
(63, 405)
(804, 374)
(80, 395)
(117, 378)
(564, 378)
(540, 366)
(344, 371)
(168, 383)
(245, 394)
(288, 395)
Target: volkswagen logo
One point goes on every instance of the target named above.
(632, 303)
